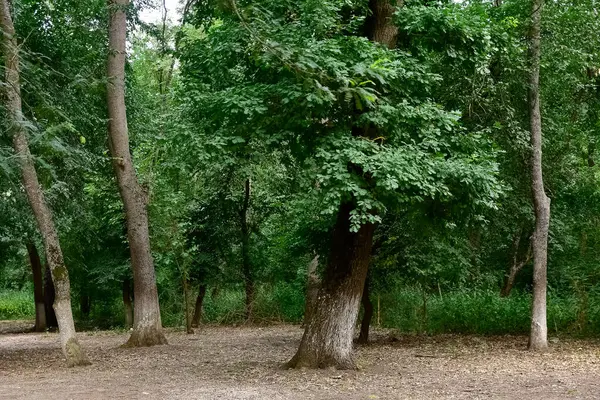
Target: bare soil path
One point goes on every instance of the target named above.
(244, 363)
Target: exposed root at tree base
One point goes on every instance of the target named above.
(145, 338)
(310, 362)
(75, 355)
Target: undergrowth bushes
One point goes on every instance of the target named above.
(406, 309)
(16, 305)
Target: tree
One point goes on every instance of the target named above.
(538, 339)
(356, 114)
(73, 352)
(246, 260)
(38, 287)
(328, 335)
(147, 326)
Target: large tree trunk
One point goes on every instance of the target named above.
(538, 339)
(38, 288)
(327, 340)
(198, 308)
(363, 338)
(313, 283)
(49, 295)
(54, 257)
(127, 302)
(147, 327)
(246, 261)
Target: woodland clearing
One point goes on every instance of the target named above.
(220, 362)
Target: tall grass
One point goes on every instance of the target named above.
(477, 311)
(16, 305)
(407, 309)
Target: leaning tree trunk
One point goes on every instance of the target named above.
(327, 340)
(54, 257)
(538, 338)
(313, 283)
(147, 327)
(49, 295)
(127, 302)
(38, 287)
(197, 318)
(246, 261)
(515, 267)
(363, 338)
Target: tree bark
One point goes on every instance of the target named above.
(516, 265)
(363, 338)
(380, 27)
(49, 295)
(246, 261)
(313, 282)
(198, 308)
(38, 288)
(54, 257)
(186, 306)
(327, 340)
(147, 327)
(85, 305)
(538, 339)
(127, 302)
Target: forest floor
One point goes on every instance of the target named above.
(220, 362)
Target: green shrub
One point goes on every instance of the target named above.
(476, 311)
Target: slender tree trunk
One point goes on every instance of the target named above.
(49, 295)
(38, 288)
(198, 308)
(147, 327)
(516, 266)
(313, 282)
(127, 302)
(54, 257)
(327, 340)
(85, 305)
(538, 339)
(186, 306)
(363, 338)
(246, 261)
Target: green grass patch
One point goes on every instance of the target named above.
(16, 305)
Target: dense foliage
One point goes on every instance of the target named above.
(252, 121)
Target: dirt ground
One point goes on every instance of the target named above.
(244, 363)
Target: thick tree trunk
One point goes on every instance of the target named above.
(363, 338)
(49, 295)
(380, 27)
(327, 340)
(38, 288)
(538, 339)
(313, 282)
(147, 327)
(127, 302)
(246, 261)
(54, 257)
(198, 308)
